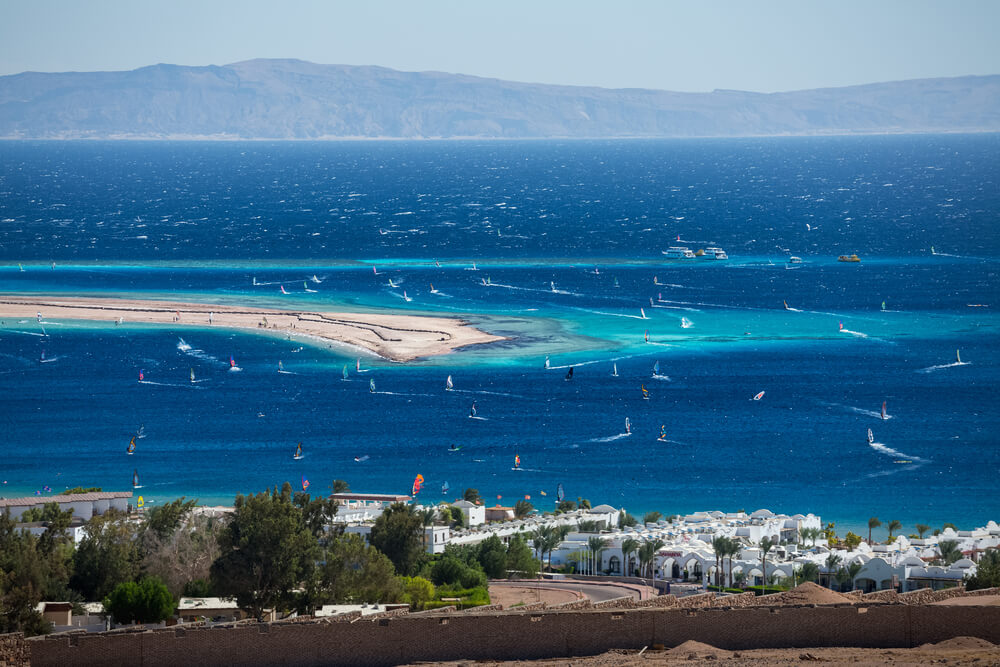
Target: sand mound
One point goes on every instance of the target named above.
(691, 647)
(807, 593)
(959, 644)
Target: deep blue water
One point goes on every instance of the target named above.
(216, 217)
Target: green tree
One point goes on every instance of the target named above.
(472, 495)
(353, 572)
(949, 525)
(851, 541)
(949, 551)
(647, 557)
(163, 520)
(893, 526)
(523, 508)
(397, 533)
(340, 486)
(719, 546)
(830, 533)
(266, 551)
(79, 489)
(22, 580)
(451, 571)
(566, 506)
(107, 556)
(766, 545)
(417, 591)
(629, 546)
(921, 529)
(317, 513)
(832, 562)
(492, 557)
(651, 517)
(148, 601)
(520, 562)
(852, 571)
(583, 503)
(596, 546)
(872, 523)
(843, 577)
(588, 527)
(733, 548)
(809, 572)
(626, 520)
(987, 572)
(457, 517)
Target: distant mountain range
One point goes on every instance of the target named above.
(293, 99)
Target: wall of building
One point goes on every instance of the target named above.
(520, 635)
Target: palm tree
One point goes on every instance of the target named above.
(651, 517)
(949, 551)
(832, 561)
(843, 576)
(523, 508)
(853, 570)
(340, 486)
(647, 557)
(921, 529)
(892, 526)
(732, 549)
(427, 517)
(629, 546)
(872, 523)
(596, 546)
(719, 546)
(809, 572)
(538, 537)
(765, 545)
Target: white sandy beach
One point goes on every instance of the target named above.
(394, 337)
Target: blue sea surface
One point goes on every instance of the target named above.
(567, 241)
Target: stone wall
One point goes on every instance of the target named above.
(515, 635)
(627, 602)
(927, 595)
(13, 651)
(695, 601)
(888, 595)
(661, 602)
(748, 599)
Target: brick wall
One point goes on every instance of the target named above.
(519, 635)
(13, 651)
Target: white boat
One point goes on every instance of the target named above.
(678, 252)
(714, 253)
(794, 260)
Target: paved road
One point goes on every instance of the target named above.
(596, 592)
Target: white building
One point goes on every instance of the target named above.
(84, 505)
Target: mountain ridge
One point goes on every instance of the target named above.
(296, 99)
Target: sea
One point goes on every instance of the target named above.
(770, 373)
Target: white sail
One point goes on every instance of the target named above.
(448, 384)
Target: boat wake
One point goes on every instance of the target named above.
(477, 417)
(690, 310)
(49, 360)
(895, 453)
(657, 376)
(610, 438)
(854, 333)
(197, 353)
(599, 312)
(939, 367)
(235, 369)
(166, 384)
(28, 333)
(861, 411)
(486, 393)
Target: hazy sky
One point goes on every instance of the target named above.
(697, 45)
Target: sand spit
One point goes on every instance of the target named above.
(393, 337)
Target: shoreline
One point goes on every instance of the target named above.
(399, 338)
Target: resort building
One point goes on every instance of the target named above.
(84, 505)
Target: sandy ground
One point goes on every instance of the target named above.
(975, 601)
(393, 337)
(958, 651)
(512, 595)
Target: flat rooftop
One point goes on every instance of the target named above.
(71, 498)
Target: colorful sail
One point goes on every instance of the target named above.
(884, 415)
(232, 362)
(281, 366)
(643, 313)
(135, 478)
(883, 305)
(647, 335)
(628, 426)
(560, 493)
(142, 374)
(758, 396)
(448, 385)
(131, 446)
(305, 483)
(472, 411)
(418, 483)
(357, 365)
(283, 289)
(645, 393)
(445, 487)
(663, 432)
(371, 385)
(517, 461)
(298, 451)
(786, 304)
